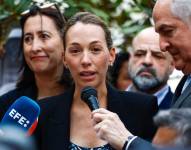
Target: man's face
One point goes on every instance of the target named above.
(175, 35)
(149, 68)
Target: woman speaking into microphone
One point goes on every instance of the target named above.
(66, 122)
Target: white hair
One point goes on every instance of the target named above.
(178, 119)
(182, 10)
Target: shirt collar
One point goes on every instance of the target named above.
(161, 94)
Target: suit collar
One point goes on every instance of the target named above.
(179, 98)
(167, 100)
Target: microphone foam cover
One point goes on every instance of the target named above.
(87, 92)
(22, 113)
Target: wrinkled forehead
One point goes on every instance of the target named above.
(162, 7)
(147, 38)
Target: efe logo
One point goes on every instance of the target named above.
(20, 119)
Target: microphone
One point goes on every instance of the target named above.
(89, 96)
(23, 113)
(14, 138)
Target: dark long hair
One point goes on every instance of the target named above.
(27, 76)
(114, 71)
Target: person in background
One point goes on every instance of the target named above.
(174, 128)
(10, 62)
(43, 73)
(172, 22)
(66, 122)
(149, 68)
(118, 73)
(174, 28)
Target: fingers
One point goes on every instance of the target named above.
(101, 129)
(109, 127)
(101, 114)
(114, 133)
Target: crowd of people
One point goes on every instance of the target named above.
(137, 109)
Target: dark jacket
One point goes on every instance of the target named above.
(167, 101)
(182, 99)
(135, 110)
(7, 99)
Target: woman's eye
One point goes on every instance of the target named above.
(28, 39)
(96, 49)
(74, 50)
(44, 36)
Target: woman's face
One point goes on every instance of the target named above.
(87, 55)
(43, 46)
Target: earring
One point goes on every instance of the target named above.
(66, 66)
(111, 64)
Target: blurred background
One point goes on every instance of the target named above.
(124, 17)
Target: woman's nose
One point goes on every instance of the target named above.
(36, 45)
(86, 58)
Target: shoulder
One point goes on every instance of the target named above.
(55, 102)
(6, 100)
(138, 95)
(9, 98)
(124, 100)
(134, 97)
(18, 92)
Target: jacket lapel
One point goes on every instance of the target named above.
(59, 122)
(182, 96)
(178, 90)
(166, 102)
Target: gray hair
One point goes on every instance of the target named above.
(178, 119)
(182, 10)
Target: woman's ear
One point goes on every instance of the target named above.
(112, 56)
(64, 61)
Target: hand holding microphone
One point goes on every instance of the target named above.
(107, 124)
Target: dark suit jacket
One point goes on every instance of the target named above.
(181, 100)
(166, 102)
(7, 99)
(178, 101)
(135, 110)
(140, 144)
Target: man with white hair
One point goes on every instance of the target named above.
(173, 23)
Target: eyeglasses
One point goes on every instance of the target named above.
(42, 6)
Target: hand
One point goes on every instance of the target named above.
(110, 128)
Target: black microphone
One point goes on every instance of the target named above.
(89, 96)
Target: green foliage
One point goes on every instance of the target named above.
(129, 17)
